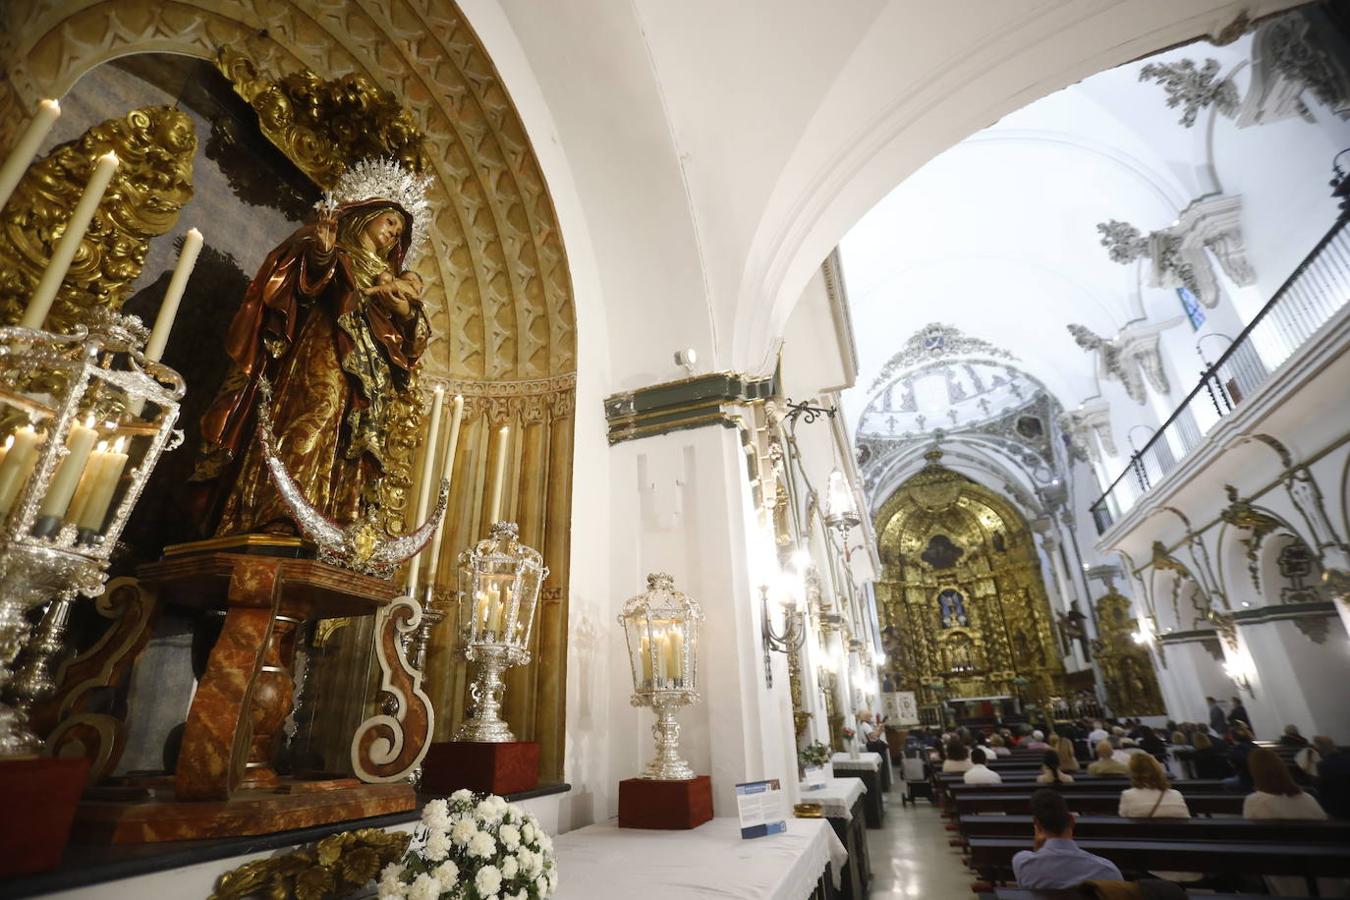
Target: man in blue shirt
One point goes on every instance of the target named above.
(1057, 862)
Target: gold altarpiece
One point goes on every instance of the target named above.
(498, 285)
(1127, 671)
(961, 595)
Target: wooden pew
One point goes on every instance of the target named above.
(1079, 785)
(1117, 828)
(1101, 803)
(992, 857)
(950, 789)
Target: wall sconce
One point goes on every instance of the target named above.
(1147, 633)
(840, 511)
(791, 638)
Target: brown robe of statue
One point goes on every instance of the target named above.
(337, 334)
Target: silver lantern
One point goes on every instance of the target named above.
(499, 582)
(84, 418)
(661, 626)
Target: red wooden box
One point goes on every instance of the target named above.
(40, 796)
(506, 768)
(665, 804)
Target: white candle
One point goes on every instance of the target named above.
(106, 478)
(88, 481)
(447, 474)
(23, 447)
(173, 295)
(499, 475)
(428, 472)
(80, 442)
(16, 164)
(45, 292)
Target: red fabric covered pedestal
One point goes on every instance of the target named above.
(40, 799)
(506, 768)
(665, 804)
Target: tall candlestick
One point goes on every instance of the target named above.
(428, 470)
(447, 474)
(79, 443)
(16, 164)
(173, 295)
(499, 475)
(18, 465)
(45, 292)
(107, 476)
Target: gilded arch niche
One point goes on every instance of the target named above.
(501, 297)
(963, 605)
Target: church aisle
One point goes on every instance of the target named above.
(911, 856)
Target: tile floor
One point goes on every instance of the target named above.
(911, 856)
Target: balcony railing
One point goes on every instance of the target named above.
(1307, 300)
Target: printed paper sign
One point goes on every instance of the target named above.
(902, 708)
(762, 809)
(815, 778)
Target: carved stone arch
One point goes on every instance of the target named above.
(495, 253)
(1241, 543)
(496, 248)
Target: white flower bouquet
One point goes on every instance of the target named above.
(474, 848)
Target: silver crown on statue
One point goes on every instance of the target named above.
(385, 178)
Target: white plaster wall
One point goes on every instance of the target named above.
(1191, 675)
(690, 222)
(1299, 682)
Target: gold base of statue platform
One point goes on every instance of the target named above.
(224, 783)
(104, 818)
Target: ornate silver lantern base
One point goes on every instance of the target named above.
(668, 764)
(486, 725)
(30, 575)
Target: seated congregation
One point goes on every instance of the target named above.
(1131, 814)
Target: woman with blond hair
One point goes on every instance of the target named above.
(1068, 758)
(1150, 795)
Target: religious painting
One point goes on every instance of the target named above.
(941, 552)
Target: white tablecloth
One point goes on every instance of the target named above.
(837, 797)
(606, 862)
(870, 761)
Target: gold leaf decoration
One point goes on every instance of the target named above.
(155, 145)
(337, 866)
(325, 126)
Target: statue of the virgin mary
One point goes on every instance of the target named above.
(334, 321)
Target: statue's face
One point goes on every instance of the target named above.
(384, 230)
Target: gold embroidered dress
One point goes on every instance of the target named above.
(335, 354)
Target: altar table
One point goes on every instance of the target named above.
(605, 862)
(837, 797)
(871, 769)
(841, 801)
